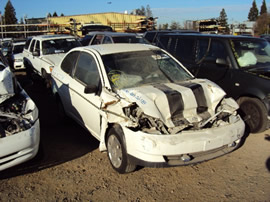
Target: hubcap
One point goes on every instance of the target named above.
(115, 151)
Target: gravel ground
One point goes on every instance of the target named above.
(71, 168)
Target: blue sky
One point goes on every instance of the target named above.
(166, 11)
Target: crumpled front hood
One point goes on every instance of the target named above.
(53, 59)
(174, 103)
(6, 84)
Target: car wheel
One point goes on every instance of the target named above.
(117, 153)
(254, 113)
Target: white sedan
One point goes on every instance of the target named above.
(19, 122)
(144, 107)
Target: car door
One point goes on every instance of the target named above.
(36, 60)
(63, 77)
(86, 106)
(212, 62)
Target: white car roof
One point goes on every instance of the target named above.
(106, 49)
(18, 43)
(57, 36)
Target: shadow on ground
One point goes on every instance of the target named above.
(61, 141)
(267, 137)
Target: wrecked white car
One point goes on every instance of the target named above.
(19, 123)
(144, 107)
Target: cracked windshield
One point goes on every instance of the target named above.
(134, 69)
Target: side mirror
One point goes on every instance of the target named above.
(221, 61)
(36, 53)
(91, 89)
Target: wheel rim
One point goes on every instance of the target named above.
(253, 113)
(115, 151)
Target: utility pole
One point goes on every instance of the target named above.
(1, 25)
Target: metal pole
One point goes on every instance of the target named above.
(2, 26)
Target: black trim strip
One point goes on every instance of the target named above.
(199, 96)
(176, 103)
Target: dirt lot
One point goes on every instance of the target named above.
(71, 168)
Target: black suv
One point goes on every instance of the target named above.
(240, 65)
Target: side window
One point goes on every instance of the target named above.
(69, 62)
(184, 49)
(97, 39)
(217, 50)
(162, 42)
(37, 48)
(32, 45)
(107, 40)
(86, 70)
(27, 43)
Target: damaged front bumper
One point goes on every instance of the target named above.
(186, 147)
(19, 147)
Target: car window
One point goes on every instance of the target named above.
(137, 68)
(97, 39)
(69, 62)
(54, 46)
(32, 46)
(86, 70)
(251, 53)
(86, 40)
(182, 48)
(37, 48)
(217, 50)
(17, 49)
(27, 43)
(107, 40)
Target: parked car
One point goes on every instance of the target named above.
(153, 35)
(95, 38)
(88, 28)
(240, 65)
(144, 107)
(42, 53)
(266, 37)
(15, 56)
(19, 122)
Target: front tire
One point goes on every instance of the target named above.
(254, 113)
(117, 152)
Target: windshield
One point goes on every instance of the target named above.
(18, 49)
(251, 53)
(133, 69)
(54, 46)
(128, 39)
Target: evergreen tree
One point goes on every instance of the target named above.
(148, 12)
(263, 8)
(62, 14)
(253, 12)
(55, 14)
(223, 18)
(10, 14)
(49, 15)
